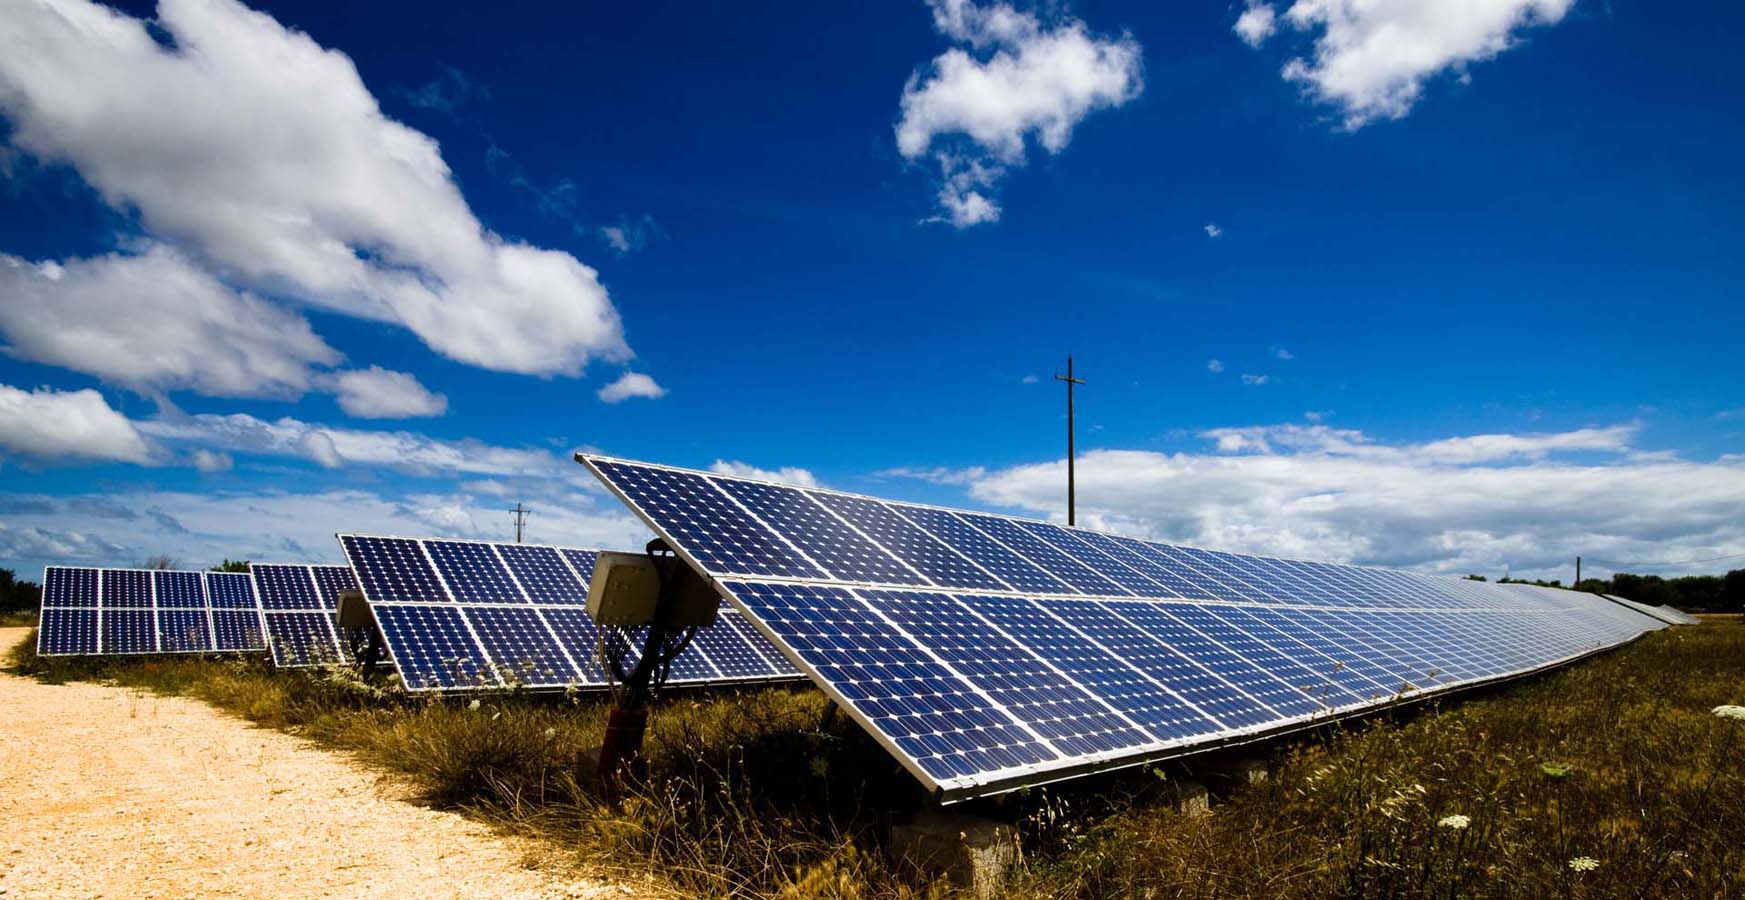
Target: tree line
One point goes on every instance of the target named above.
(1693, 593)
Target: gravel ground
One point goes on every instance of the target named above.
(106, 792)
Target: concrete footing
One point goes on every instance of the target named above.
(1242, 771)
(1191, 797)
(973, 852)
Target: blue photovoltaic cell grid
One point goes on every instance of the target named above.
(66, 586)
(925, 553)
(1120, 685)
(1281, 641)
(67, 631)
(1033, 548)
(516, 639)
(1190, 681)
(581, 637)
(183, 631)
(330, 582)
(822, 537)
(285, 587)
(393, 567)
(179, 589)
(236, 630)
(433, 649)
(583, 562)
(126, 588)
(1016, 572)
(949, 729)
(1244, 642)
(230, 590)
(300, 639)
(710, 528)
(129, 631)
(1073, 721)
(544, 574)
(473, 572)
(731, 653)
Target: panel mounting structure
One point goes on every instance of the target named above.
(463, 616)
(299, 603)
(115, 612)
(988, 652)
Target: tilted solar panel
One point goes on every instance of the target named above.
(92, 612)
(299, 603)
(987, 652)
(479, 615)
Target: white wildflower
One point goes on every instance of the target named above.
(1730, 712)
(473, 705)
(550, 733)
(1584, 864)
(1456, 822)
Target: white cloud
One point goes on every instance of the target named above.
(1371, 59)
(1213, 231)
(1026, 80)
(210, 461)
(1255, 380)
(1256, 24)
(264, 155)
(785, 474)
(53, 426)
(378, 393)
(200, 529)
(332, 447)
(1282, 353)
(1030, 379)
(1214, 365)
(631, 384)
(1316, 416)
(937, 474)
(154, 322)
(631, 235)
(1464, 504)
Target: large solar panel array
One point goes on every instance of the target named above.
(475, 615)
(299, 603)
(1666, 614)
(988, 652)
(89, 612)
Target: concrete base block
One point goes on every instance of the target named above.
(1191, 798)
(972, 852)
(1244, 770)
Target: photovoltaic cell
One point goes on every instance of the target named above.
(67, 632)
(91, 611)
(179, 589)
(230, 590)
(236, 630)
(183, 630)
(520, 622)
(1001, 652)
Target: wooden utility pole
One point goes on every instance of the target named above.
(1071, 488)
(520, 519)
(1577, 571)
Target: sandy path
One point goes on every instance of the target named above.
(105, 792)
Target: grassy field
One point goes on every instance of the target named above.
(1608, 779)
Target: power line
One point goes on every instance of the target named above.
(520, 519)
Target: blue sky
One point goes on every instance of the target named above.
(268, 273)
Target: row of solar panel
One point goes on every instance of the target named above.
(738, 528)
(974, 687)
(472, 615)
(128, 611)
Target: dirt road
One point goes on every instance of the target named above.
(105, 792)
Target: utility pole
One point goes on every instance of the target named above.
(1577, 571)
(1071, 499)
(520, 519)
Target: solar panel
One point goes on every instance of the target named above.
(299, 604)
(1664, 613)
(479, 615)
(988, 652)
(93, 611)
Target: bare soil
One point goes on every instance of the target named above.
(107, 792)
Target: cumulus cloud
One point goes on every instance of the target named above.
(263, 154)
(937, 474)
(1214, 365)
(154, 322)
(1256, 24)
(1017, 79)
(785, 474)
(631, 384)
(53, 426)
(378, 393)
(211, 461)
(1213, 231)
(1476, 503)
(332, 447)
(1371, 60)
(1255, 380)
(202, 529)
(631, 235)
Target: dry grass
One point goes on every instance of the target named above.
(753, 793)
